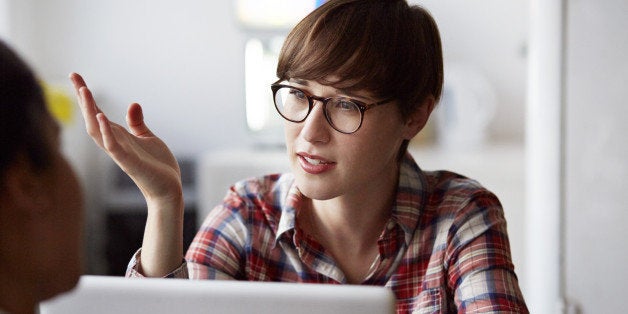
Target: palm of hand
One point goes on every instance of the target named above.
(138, 152)
(147, 160)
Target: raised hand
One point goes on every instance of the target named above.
(153, 168)
(142, 155)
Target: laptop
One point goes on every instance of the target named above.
(119, 295)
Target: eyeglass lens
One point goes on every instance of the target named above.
(294, 105)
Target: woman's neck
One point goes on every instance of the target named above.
(348, 233)
(357, 218)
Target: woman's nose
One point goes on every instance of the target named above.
(316, 129)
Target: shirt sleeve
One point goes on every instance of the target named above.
(480, 269)
(219, 247)
(133, 269)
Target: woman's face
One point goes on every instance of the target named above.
(328, 164)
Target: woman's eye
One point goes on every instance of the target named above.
(344, 105)
(297, 93)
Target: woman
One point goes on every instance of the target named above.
(357, 81)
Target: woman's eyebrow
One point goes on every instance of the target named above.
(299, 81)
(345, 92)
(352, 94)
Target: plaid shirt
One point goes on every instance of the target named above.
(444, 250)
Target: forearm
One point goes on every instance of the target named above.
(162, 248)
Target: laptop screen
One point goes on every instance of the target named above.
(119, 295)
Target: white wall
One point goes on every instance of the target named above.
(181, 59)
(4, 19)
(491, 36)
(596, 155)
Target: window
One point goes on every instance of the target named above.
(266, 24)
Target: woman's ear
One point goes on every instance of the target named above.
(417, 119)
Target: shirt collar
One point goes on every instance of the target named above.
(411, 196)
(289, 200)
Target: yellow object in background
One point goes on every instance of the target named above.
(59, 103)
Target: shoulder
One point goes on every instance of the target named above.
(461, 205)
(463, 209)
(448, 189)
(443, 197)
(255, 200)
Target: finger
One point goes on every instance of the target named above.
(109, 141)
(77, 81)
(135, 121)
(87, 108)
(89, 111)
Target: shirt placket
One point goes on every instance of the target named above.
(391, 245)
(314, 257)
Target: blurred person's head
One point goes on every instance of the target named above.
(41, 209)
(385, 47)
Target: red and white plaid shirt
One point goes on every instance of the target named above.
(444, 250)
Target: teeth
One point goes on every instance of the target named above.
(313, 161)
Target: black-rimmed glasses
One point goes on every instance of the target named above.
(344, 114)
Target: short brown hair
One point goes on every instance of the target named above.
(385, 47)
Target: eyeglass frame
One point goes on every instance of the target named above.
(363, 107)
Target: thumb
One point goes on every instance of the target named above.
(135, 121)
